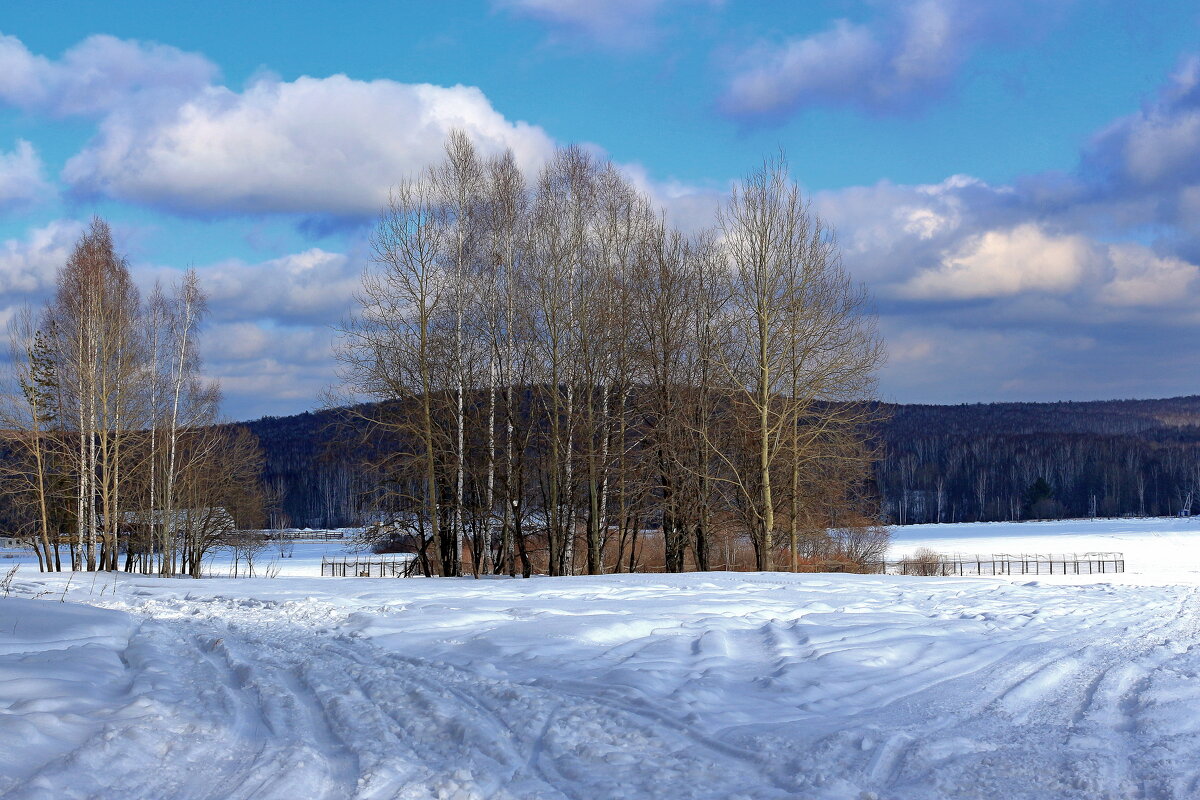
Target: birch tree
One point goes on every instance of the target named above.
(799, 346)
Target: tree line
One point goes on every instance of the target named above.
(558, 371)
(1107, 458)
(112, 452)
(1040, 460)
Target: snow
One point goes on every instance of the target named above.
(714, 685)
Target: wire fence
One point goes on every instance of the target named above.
(1008, 564)
(312, 536)
(925, 565)
(369, 567)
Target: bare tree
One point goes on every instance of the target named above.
(562, 213)
(557, 363)
(459, 180)
(799, 346)
(95, 314)
(111, 409)
(218, 491)
(507, 209)
(389, 348)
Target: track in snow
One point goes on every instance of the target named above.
(727, 687)
(237, 700)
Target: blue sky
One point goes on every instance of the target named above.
(1017, 181)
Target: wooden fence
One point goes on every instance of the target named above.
(369, 567)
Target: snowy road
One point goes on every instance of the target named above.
(701, 686)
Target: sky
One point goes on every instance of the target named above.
(1017, 182)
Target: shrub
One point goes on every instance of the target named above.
(923, 562)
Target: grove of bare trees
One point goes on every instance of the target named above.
(558, 371)
(110, 437)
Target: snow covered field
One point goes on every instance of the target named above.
(688, 686)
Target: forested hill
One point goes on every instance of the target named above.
(947, 463)
(984, 461)
(1108, 417)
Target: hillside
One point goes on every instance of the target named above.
(979, 462)
(971, 461)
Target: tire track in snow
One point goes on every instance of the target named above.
(897, 689)
(1119, 752)
(1073, 723)
(249, 703)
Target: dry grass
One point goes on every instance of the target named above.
(729, 551)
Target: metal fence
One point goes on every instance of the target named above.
(1010, 564)
(368, 568)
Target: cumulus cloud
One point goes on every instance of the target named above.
(269, 339)
(28, 266)
(963, 240)
(620, 23)
(311, 287)
(314, 145)
(891, 231)
(170, 137)
(1157, 148)
(323, 148)
(266, 368)
(98, 75)
(906, 58)
(1083, 283)
(22, 178)
(1141, 277)
(1002, 263)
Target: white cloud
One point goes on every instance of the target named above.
(98, 75)
(1140, 277)
(22, 181)
(889, 231)
(269, 337)
(228, 344)
(314, 286)
(905, 58)
(28, 266)
(1161, 145)
(688, 207)
(1155, 150)
(1004, 263)
(168, 136)
(833, 65)
(268, 370)
(313, 145)
(619, 23)
(910, 55)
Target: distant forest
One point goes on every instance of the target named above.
(963, 463)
